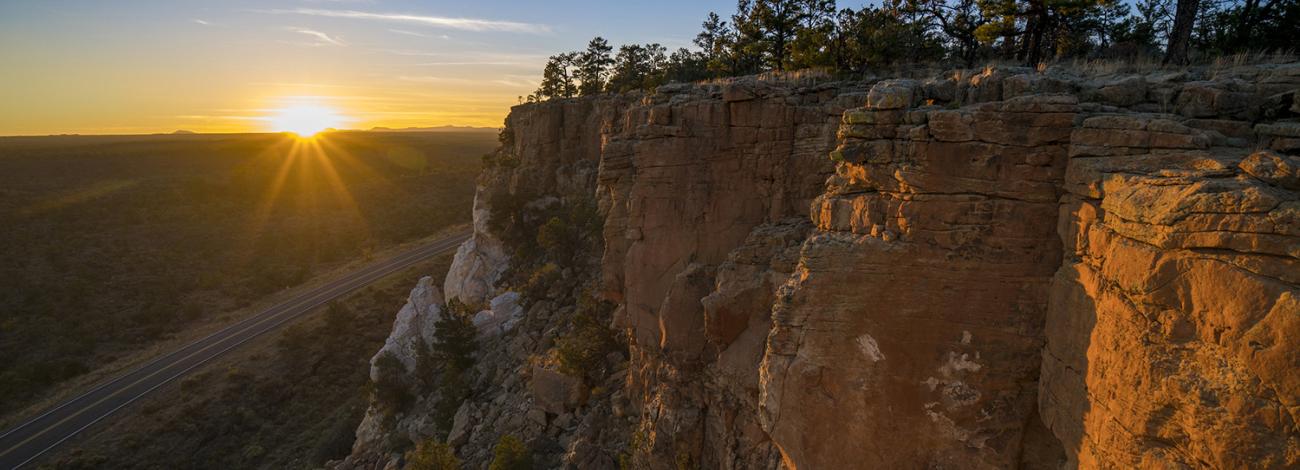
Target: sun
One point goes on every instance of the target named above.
(305, 119)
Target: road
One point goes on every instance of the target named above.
(24, 443)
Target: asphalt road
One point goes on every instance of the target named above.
(24, 443)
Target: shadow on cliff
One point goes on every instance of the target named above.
(1055, 432)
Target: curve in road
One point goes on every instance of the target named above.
(25, 442)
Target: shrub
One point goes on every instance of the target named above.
(455, 339)
(431, 454)
(444, 368)
(511, 454)
(294, 348)
(338, 318)
(453, 389)
(582, 350)
(391, 392)
(540, 282)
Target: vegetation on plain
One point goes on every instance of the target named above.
(113, 243)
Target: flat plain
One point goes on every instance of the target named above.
(115, 243)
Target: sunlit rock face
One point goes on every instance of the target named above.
(1171, 322)
(997, 268)
(479, 261)
(414, 326)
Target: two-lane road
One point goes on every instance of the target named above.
(29, 440)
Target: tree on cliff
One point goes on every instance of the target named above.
(557, 77)
(795, 34)
(637, 67)
(713, 41)
(773, 23)
(958, 20)
(814, 41)
(1181, 35)
(593, 66)
(451, 358)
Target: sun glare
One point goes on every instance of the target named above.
(306, 119)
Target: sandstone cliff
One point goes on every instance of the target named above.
(998, 268)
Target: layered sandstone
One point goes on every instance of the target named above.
(1000, 268)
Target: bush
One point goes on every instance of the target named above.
(453, 389)
(563, 233)
(582, 350)
(391, 392)
(339, 318)
(455, 339)
(540, 282)
(444, 368)
(431, 454)
(511, 454)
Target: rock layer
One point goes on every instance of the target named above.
(998, 268)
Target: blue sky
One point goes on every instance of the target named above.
(145, 66)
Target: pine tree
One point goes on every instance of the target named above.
(1180, 35)
(593, 67)
(557, 77)
(774, 24)
(455, 339)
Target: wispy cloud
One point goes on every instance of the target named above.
(470, 58)
(517, 82)
(320, 36)
(202, 22)
(467, 24)
(509, 81)
(417, 34)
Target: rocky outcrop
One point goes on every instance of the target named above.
(920, 299)
(997, 268)
(1167, 321)
(479, 261)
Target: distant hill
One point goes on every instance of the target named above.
(183, 132)
(431, 129)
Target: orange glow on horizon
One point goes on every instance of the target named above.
(306, 117)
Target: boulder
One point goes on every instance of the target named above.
(1274, 168)
(892, 94)
(555, 392)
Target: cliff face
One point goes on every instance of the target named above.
(982, 269)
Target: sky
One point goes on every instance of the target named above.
(129, 67)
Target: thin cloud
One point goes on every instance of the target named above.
(198, 21)
(469, 58)
(467, 24)
(324, 38)
(418, 35)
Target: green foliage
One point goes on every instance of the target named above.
(270, 412)
(294, 346)
(557, 77)
(446, 368)
(455, 339)
(543, 240)
(800, 34)
(511, 454)
(431, 454)
(339, 319)
(540, 282)
(111, 243)
(593, 65)
(392, 393)
(637, 67)
(582, 350)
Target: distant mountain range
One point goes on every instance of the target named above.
(431, 129)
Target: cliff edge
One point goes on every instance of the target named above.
(995, 268)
